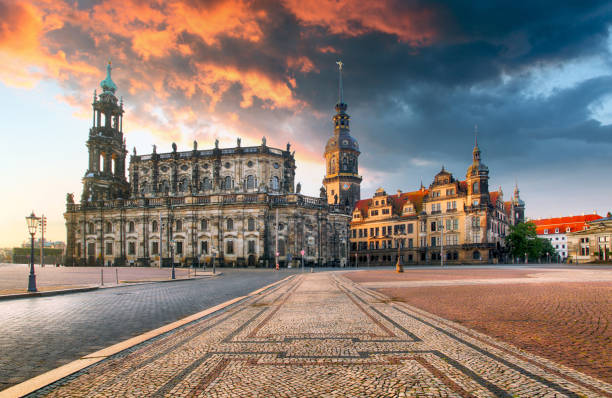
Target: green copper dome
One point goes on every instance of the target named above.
(107, 84)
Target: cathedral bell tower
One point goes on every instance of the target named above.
(105, 176)
(477, 178)
(342, 180)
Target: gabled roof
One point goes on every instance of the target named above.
(398, 202)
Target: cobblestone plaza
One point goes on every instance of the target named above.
(323, 335)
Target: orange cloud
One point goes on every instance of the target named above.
(355, 18)
(24, 60)
(302, 63)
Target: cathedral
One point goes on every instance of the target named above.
(237, 206)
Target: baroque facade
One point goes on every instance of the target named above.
(452, 220)
(237, 205)
(592, 243)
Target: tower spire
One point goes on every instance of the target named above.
(340, 92)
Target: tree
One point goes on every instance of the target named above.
(517, 241)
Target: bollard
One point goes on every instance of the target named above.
(101, 276)
(311, 269)
(117, 275)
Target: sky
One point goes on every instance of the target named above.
(535, 77)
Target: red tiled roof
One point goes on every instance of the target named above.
(508, 207)
(399, 200)
(574, 223)
(493, 196)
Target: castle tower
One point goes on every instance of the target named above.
(342, 180)
(105, 176)
(477, 178)
(518, 206)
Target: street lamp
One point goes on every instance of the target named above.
(398, 265)
(172, 257)
(32, 221)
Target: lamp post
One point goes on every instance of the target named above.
(172, 257)
(398, 265)
(32, 221)
(214, 254)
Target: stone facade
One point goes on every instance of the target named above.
(458, 220)
(591, 244)
(237, 205)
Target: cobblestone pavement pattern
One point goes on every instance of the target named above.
(41, 333)
(321, 335)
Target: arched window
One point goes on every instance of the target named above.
(90, 228)
(476, 255)
(281, 247)
(154, 226)
(229, 224)
(344, 164)
(131, 226)
(109, 227)
(164, 187)
(228, 183)
(179, 225)
(475, 187)
(203, 225)
(183, 184)
(275, 183)
(250, 182)
(251, 224)
(206, 184)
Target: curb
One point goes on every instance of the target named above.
(46, 294)
(40, 381)
(88, 289)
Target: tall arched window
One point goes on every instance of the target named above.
(281, 247)
(183, 184)
(164, 186)
(90, 228)
(206, 184)
(251, 224)
(179, 225)
(250, 182)
(275, 183)
(154, 226)
(203, 225)
(131, 226)
(475, 187)
(228, 183)
(109, 227)
(229, 224)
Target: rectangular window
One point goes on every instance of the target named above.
(410, 228)
(385, 211)
(433, 241)
(371, 231)
(229, 247)
(78, 250)
(131, 248)
(204, 247)
(410, 243)
(376, 229)
(179, 247)
(155, 248)
(251, 247)
(423, 241)
(455, 224)
(423, 226)
(109, 248)
(433, 226)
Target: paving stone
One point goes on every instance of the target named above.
(321, 335)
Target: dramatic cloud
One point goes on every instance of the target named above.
(534, 76)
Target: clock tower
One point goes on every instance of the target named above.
(342, 180)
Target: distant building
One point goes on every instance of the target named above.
(458, 219)
(592, 243)
(556, 230)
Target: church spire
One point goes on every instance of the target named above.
(476, 151)
(340, 91)
(107, 84)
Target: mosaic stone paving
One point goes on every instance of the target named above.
(321, 335)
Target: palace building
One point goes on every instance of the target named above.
(459, 221)
(238, 205)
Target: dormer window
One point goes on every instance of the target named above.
(568, 229)
(556, 230)
(545, 232)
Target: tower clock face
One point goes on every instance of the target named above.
(346, 186)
